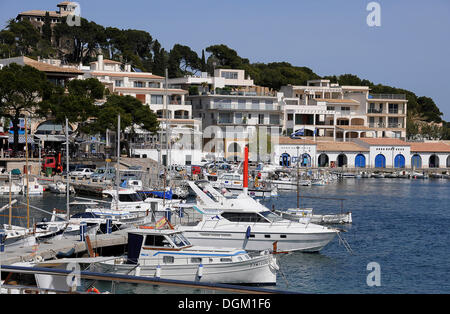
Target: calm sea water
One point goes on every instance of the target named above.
(402, 225)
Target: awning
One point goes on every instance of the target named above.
(21, 139)
(51, 137)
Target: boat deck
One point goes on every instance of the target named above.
(49, 249)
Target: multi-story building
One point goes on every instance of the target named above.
(232, 110)
(37, 17)
(328, 110)
(146, 87)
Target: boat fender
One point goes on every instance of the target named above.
(138, 271)
(38, 258)
(158, 271)
(200, 271)
(248, 232)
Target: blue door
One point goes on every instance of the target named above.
(399, 161)
(285, 160)
(360, 161)
(416, 162)
(380, 161)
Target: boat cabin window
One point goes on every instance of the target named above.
(179, 240)
(243, 217)
(156, 240)
(271, 216)
(196, 260)
(168, 259)
(130, 197)
(225, 259)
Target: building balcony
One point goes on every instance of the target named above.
(387, 96)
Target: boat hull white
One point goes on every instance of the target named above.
(285, 242)
(257, 271)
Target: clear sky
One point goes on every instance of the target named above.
(410, 50)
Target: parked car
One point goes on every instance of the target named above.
(82, 173)
(101, 174)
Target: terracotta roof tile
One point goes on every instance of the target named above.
(340, 147)
(430, 147)
(45, 67)
(287, 140)
(128, 74)
(384, 141)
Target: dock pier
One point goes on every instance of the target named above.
(50, 249)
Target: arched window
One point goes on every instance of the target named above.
(285, 160)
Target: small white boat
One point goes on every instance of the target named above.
(296, 214)
(168, 254)
(60, 188)
(35, 188)
(15, 189)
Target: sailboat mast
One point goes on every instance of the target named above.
(26, 165)
(10, 205)
(298, 197)
(118, 161)
(67, 171)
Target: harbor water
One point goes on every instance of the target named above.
(402, 225)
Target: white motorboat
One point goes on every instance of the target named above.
(7, 187)
(296, 214)
(243, 222)
(60, 188)
(168, 254)
(34, 188)
(16, 236)
(233, 182)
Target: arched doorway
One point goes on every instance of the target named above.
(342, 160)
(380, 161)
(306, 160)
(416, 161)
(285, 160)
(360, 161)
(399, 161)
(323, 160)
(448, 161)
(434, 161)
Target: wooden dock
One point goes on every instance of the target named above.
(49, 250)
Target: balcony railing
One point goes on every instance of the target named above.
(387, 96)
(373, 110)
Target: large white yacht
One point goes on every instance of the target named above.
(243, 222)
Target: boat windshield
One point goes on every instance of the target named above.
(271, 216)
(179, 240)
(134, 197)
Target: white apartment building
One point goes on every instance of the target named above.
(341, 112)
(146, 87)
(232, 110)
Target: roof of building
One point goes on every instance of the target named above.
(108, 61)
(42, 66)
(287, 140)
(384, 141)
(340, 147)
(42, 13)
(430, 147)
(128, 74)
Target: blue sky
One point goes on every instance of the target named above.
(410, 50)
